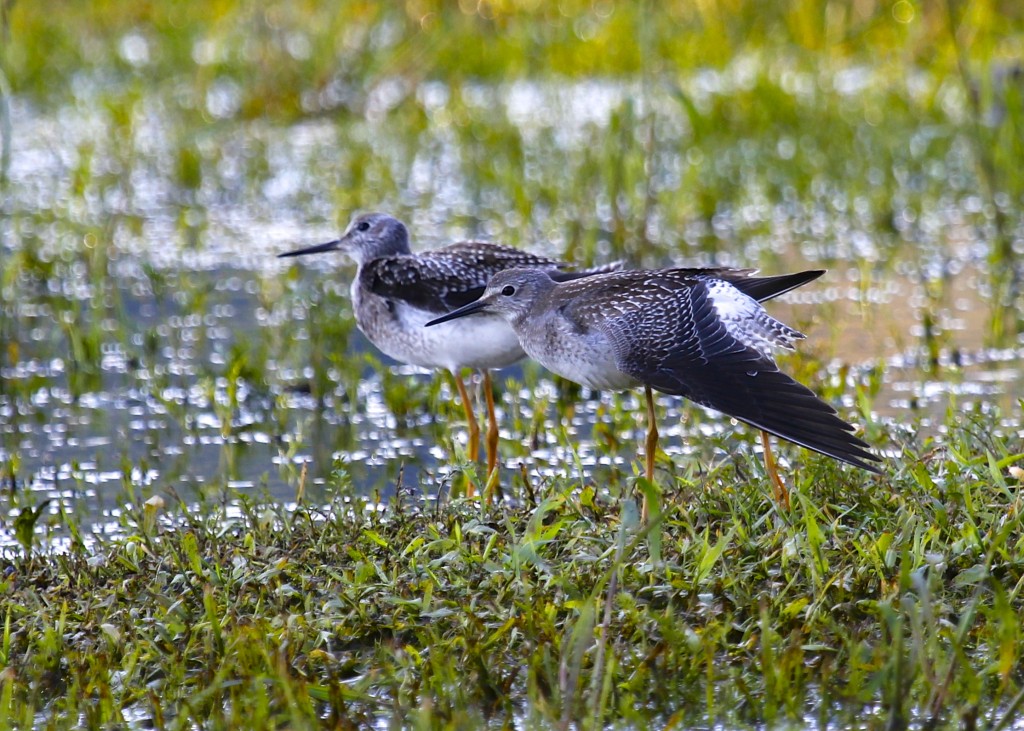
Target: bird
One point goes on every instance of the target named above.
(395, 292)
(700, 333)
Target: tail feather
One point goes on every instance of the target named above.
(766, 288)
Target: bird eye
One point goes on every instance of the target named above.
(508, 290)
(363, 226)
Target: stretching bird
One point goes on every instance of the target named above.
(697, 333)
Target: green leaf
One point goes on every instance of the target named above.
(712, 554)
(25, 525)
(375, 537)
(190, 546)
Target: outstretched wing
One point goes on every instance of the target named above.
(711, 343)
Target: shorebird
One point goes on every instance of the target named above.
(396, 292)
(697, 333)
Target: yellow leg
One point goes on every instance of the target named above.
(492, 427)
(779, 490)
(651, 446)
(473, 448)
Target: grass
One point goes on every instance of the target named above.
(142, 142)
(882, 602)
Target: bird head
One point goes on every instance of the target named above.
(368, 237)
(509, 294)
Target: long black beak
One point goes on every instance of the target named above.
(329, 246)
(478, 306)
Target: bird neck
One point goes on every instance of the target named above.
(387, 247)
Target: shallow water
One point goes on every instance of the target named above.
(153, 342)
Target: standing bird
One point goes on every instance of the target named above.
(395, 293)
(697, 333)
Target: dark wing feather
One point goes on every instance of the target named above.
(560, 276)
(684, 348)
(759, 288)
(765, 288)
(442, 280)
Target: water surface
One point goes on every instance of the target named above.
(154, 344)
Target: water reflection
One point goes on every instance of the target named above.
(197, 413)
(152, 342)
(173, 419)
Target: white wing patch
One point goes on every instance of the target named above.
(747, 321)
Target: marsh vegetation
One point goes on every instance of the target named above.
(221, 508)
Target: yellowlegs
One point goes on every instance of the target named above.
(697, 333)
(396, 292)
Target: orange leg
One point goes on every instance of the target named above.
(492, 427)
(650, 446)
(779, 490)
(473, 448)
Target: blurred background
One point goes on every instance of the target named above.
(156, 156)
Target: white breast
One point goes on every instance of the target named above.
(398, 330)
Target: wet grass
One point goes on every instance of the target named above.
(881, 602)
(155, 157)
